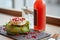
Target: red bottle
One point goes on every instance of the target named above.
(39, 15)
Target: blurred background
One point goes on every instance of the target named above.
(52, 6)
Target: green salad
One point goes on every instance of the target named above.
(17, 25)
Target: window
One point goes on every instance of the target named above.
(5, 3)
(53, 12)
(53, 8)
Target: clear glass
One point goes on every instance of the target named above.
(27, 12)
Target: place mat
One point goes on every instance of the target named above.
(32, 35)
(4, 37)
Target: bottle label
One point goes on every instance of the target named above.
(35, 17)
